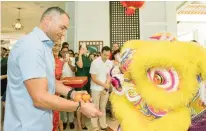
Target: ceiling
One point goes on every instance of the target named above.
(193, 8)
(30, 14)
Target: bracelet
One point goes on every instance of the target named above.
(79, 106)
(69, 94)
(106, 89)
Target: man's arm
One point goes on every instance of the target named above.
(38, 91)
(80, 62)
(35, 79)
(98, 82)
(3, 77)
(71, 64)
(62, 89)
(72, 67)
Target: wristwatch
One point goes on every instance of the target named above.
(79, 106)
(69, 94)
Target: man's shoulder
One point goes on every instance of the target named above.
(97, 61)
(109, 62)
(28, 42)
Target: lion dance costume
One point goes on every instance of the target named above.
(156, 87)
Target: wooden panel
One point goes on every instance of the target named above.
(93, 46)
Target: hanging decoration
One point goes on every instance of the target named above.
(131, 6)
(18, 24)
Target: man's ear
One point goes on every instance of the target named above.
(47, 20)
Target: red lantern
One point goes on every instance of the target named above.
(131, 6)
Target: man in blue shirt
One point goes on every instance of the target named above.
(31, 86)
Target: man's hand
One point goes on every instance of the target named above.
(82, 51)
(74, 93)
(108, 78)
(107, 86)
(89, 110)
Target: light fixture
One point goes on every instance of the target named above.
(18, 25)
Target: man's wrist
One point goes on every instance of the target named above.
(106, 89)
(70, 94)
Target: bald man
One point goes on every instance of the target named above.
(31, 78)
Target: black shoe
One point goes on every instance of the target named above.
(85, 128)
(71, 125)
(64, 126)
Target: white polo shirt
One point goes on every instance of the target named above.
(67, 71)
(101, 69)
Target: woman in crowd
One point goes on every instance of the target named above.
(116, 64)
(116, 58)
(83, 66)
(71, 53)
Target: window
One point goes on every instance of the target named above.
(122, 27)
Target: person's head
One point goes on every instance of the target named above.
(115, 55)
(76, 55)
(193, 41)
(105, 53)
(54, 22)
(7, 53)
(115, 46)
(3, 51)
(91, 56)
(65, 44)
(71, 53)
(64, 51)
(85, 49)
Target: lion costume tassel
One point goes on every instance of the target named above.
(158, 83)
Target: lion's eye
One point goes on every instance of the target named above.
(158, 79)
(163, 78)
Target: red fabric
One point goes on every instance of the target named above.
(55, 120)
(58, 68)
(58, 73)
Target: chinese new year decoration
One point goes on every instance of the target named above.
(131, 6)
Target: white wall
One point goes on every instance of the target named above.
(157, 16)
(92, 21)
(70, 37)
(199, 29)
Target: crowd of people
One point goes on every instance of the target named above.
(93, 66)
(33, 87)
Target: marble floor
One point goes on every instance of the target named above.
(111, 123)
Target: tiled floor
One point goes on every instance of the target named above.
(112, 124)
